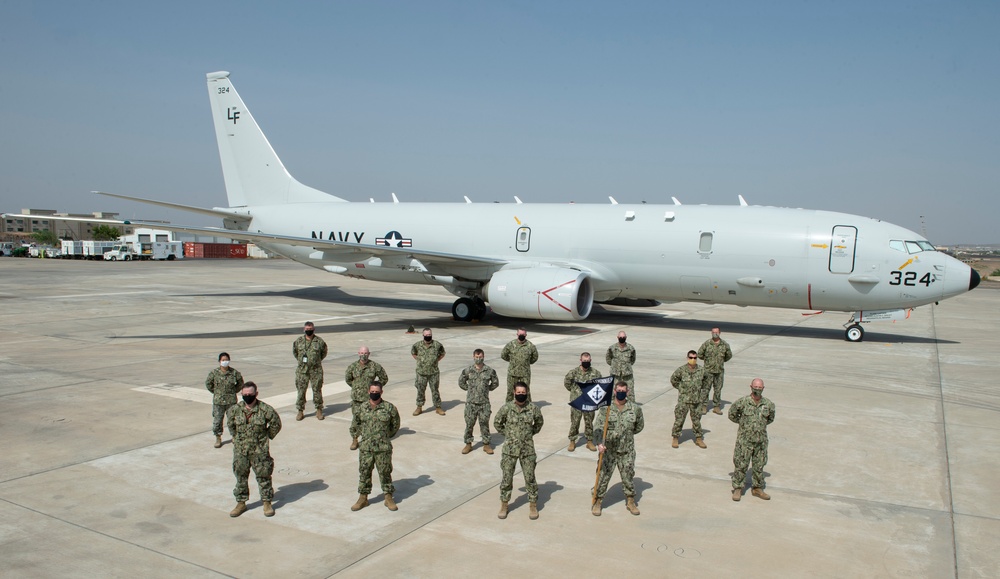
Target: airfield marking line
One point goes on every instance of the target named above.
(203, 396)
(333, 318)
(278, 285)
(98, 295)
(944, 435)
(114, 538)
(237, 309)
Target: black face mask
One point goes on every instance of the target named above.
(428, 338)
(621, 340)
(374, 396)
(310, 332)
(521, 397)
(621, 395)
(249, 398)
(522, 338)
(585, 365)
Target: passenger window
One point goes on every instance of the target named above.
(705, 243)
(897, 244)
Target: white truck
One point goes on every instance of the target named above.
(158, 250)
(122, 252)
(97, 249)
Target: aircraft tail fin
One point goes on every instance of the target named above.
(253, 172)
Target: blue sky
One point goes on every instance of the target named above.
(883, 109)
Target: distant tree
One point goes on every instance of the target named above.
(105, 233)
(45, 238)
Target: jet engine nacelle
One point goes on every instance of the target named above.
(541, 293)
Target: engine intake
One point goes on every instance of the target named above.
(541, 293)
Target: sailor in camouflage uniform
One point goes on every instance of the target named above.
(620, 357)
(753, 413)
(715, 352)
(519, 421)
(309, 351)
(359, 375)
(252, 424)
(689, 381)
(478, 380)
(377, 423)
(428, 353)
(224, 382)
(520, 354)
(582, 373)
(624, 419)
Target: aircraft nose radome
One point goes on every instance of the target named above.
(974, 279)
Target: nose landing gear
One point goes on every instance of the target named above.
(854, 333)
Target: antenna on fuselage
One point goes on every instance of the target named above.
(467, 200)
(517, 199)
(743, 202)
(394, 198)
(676, 201)
(613, 202)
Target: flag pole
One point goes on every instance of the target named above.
(600, 455)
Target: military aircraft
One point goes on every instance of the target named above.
(554, 261)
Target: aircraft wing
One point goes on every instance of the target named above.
(339, 249)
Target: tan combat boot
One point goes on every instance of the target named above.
(572, 446)
(319, 414)
(418, 411)
(760, 494)
(532, 510)
(630, 505)
(737, 494)
(241, 507)
(362, 503)
(300, 415)
(596, 509)
(674, 443)
(699, 443)
(354, 443)
(467, 448)
(439, 410)
(591, 447)
(487, 449)
(218, 441)
(268, 509)
(390, 504)
(503, 510)
(717, 410)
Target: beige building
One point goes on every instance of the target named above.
(17, 228)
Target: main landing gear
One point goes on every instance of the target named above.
(468, 309)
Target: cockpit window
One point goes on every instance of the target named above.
(911, 246)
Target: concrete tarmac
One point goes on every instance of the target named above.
(882, 456)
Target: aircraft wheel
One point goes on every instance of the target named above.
(854, 333)
(480, 309)
(462, 310)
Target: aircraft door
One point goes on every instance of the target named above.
(523, 240)
(842, 247)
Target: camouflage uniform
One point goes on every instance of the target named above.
(689, 383)
(359, 377)
(310, 355)
(428, 373)
(376, 427)
(623, 424)
(224, 386)
(252, 429)
(621, 360)
(751, 438)
(575, 375)
(715, 357)
(478, 383)
(520, 356)
(519, 425)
